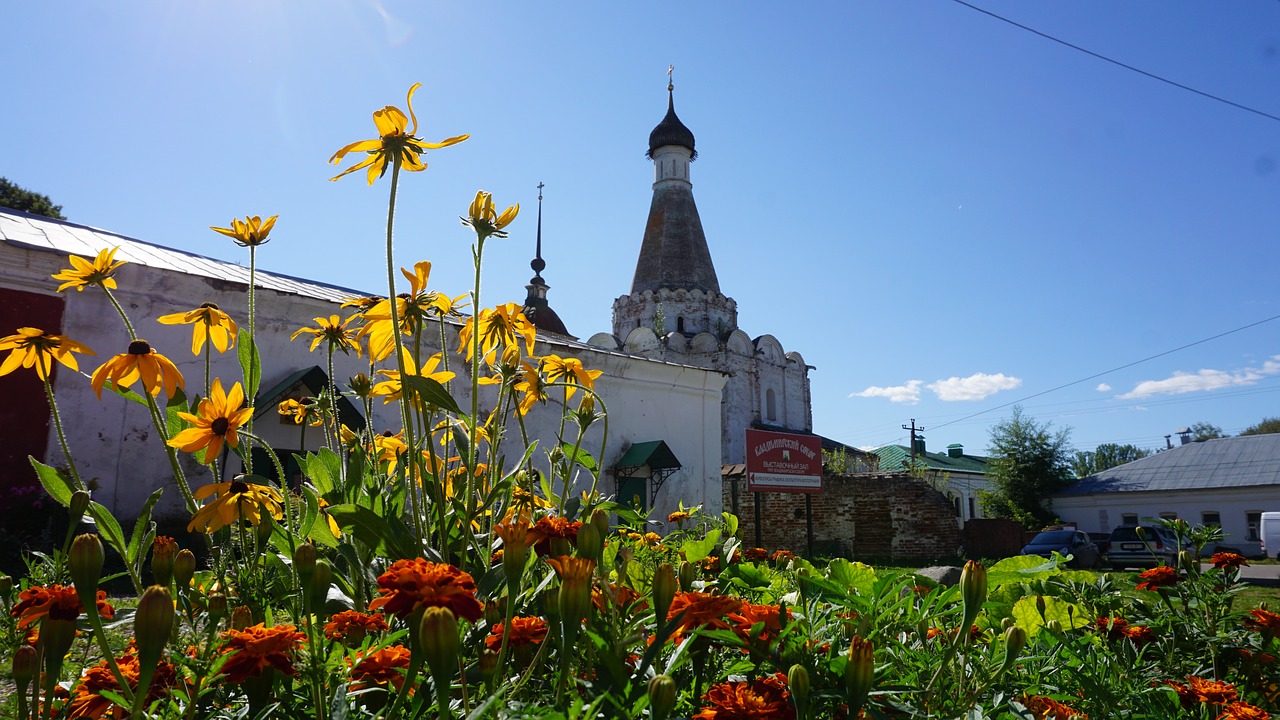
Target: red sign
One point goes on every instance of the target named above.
(783, 462)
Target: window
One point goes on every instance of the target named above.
(1168, 516)
(771, 404)
(1210, 518)
(1129, 519)
(956, 501)
(973, 508)
(1253, 520)
(680, 324)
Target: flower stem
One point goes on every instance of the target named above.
(62, 438)
(250, 379)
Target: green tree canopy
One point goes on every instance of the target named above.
(1029, 461)
(1266, 427)
(1205, 431)
(19, 198)
(1105, 456)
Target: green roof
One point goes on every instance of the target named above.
(314, 380)
(895, 457)
(654, 453)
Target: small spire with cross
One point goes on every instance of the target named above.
(538, 263)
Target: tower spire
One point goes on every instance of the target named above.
(536, 307)
(538, 263)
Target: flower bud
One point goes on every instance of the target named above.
(662, 696)
(361, 385)
(241, 617)
(1040, 606)
(488, 664)
(664, 591)
(1015, 638)
(320, 582)
(1141, 532)
(798, 681)
(217, 606)
(493, 612)
(973, 590)
(859, 674)
(550, 602)
(575, 587)
(184, 568)
(687, 573)
(262, 531)
(1006, 623)
(25, 666)
(600, 520)
(152, 623)
(590, 543)
(304, 561)
(1187, 561)
(79, 503)
(438, 638)
(57, 635)
(6, 586)
(163, 552)
(86, 567)
(1054, 626)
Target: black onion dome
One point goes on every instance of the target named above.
(671, 131)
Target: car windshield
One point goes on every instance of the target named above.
(1054, 537)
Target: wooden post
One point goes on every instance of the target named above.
(808, 522)
(759, 541)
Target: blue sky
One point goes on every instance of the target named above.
(941, 212)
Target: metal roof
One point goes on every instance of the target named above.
(653, 453)
(894, 457)
(58, 236)
(1220, 463)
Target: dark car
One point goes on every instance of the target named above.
(1129, 550)
(1065, 542)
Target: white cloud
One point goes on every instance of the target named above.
(908, 394)
(1103, 387)
(975, 387)
(1203, 380)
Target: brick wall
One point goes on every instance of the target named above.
(883, 518)
(993, 538)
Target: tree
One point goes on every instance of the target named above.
(1029, 462)
(1104, 457)
(1266, 427)
(1205, 431)
(19, 198)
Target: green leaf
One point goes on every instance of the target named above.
(696, 551)
(109, 529)
(309, 513)
(318, 472)
(433, 393)
(1020, 568)
(730, 523)
(250, 363)
(385, 535)
(141, 529)
(55, 483)
(579, 456)
(1027, 616)
(853, 575)
(748, 576)
(177, 403)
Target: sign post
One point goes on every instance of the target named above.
(784, 462)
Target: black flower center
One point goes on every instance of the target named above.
(139, 347)
(220, 426)
(238, 487)
(213, 306)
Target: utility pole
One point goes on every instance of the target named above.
(912, 427)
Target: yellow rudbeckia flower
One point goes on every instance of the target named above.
(216, 420)
(139, 363)
(236, 500)
(84, 273)
(332, 329)
(208, 323)
(486, 221)
(503, 326)
(33, 347)
(250, 232)
(569, 370)
(392, 142)
(392, 388)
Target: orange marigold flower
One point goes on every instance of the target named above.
(1049, 709)
(746, 617)
(1228, 560)
(1243, 711)
(701, 611)
(258, 648)
(1211, 691)
(382, 667)
(784, 555)
(1114, 627)
(763, 699)
(678, 517)
(410, 585)
(711, 564)
(56, 601)
(524, 631)
(1140, 634)
(619, 596)
(755, 554)
(1156, 577)
(87, 700)
(540, 535)
(1186, 697)
(1263, 621)
(353, 625)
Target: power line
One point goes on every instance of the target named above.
(1140, 71)
(1108, 372)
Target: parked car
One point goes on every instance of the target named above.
(1065, 542)
(1269, 533)
(1128, 550)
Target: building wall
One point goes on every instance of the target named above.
(891, 518)
(111, 438)
(1104, 512)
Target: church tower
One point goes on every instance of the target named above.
(677, 313)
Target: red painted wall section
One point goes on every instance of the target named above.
(24, 412)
